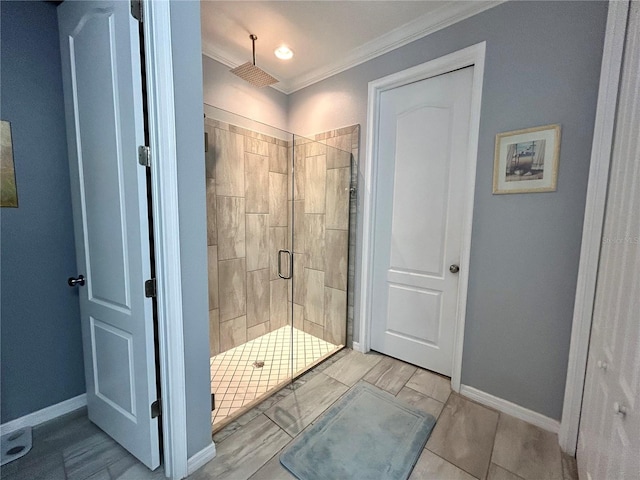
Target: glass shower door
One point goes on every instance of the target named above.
(248, 215)
(321, 179)
(277, 236)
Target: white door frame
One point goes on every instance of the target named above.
(164, 187)
(473, 55)
(593, 222)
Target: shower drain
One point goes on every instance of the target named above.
(258, 364)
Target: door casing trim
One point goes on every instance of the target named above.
(470, 56)
(593, 222)
(164, 185)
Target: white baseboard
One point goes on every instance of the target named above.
(357, 347)
(512, 409)
(44, 415)
(205, 455)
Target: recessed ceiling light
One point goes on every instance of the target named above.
(283, 52)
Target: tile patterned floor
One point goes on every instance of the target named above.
(469, 441)
(236, 381)
(70, 447)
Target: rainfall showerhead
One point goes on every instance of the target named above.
(252, 74)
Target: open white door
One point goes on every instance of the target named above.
(103, 102)
(422, 142)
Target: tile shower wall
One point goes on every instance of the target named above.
(247, 220)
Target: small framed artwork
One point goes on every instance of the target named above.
(526, 161)
(8, 189)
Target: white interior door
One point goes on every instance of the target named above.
(609, 437)
(103, 101)
(422, 143)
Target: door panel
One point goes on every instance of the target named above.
(103, 101)
(100, 179)
(112, 355)
(418, 240)
(417, 311)
(422, 148)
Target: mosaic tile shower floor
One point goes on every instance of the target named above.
(237, 380)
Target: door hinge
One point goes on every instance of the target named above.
(136, 9)
(150, 288)
(144, 156)
(213, 402)
(156, 409)
(206, 142)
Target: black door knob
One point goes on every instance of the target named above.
(73, 282)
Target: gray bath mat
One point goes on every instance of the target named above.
(368, 433)
(14, 445)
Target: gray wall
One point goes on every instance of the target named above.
(41, 359)
(187, 77)
(225, 90)
(542, 66)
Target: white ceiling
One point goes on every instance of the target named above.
(327, 37)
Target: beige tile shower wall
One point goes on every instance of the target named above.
(345, 139)
(247, 221)
(324, 247)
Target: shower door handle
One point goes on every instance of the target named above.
(290, 274)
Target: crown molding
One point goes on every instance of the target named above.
(443, 17)
(217, 55)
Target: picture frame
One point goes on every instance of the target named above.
(526, 161)
(8, 187)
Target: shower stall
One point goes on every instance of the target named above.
(278, 209)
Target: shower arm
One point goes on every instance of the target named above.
(253, 43)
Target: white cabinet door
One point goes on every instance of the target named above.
(609, 437)
(422, 143)
(103, 101)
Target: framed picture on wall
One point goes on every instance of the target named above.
(526, 161)
(8, 189)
